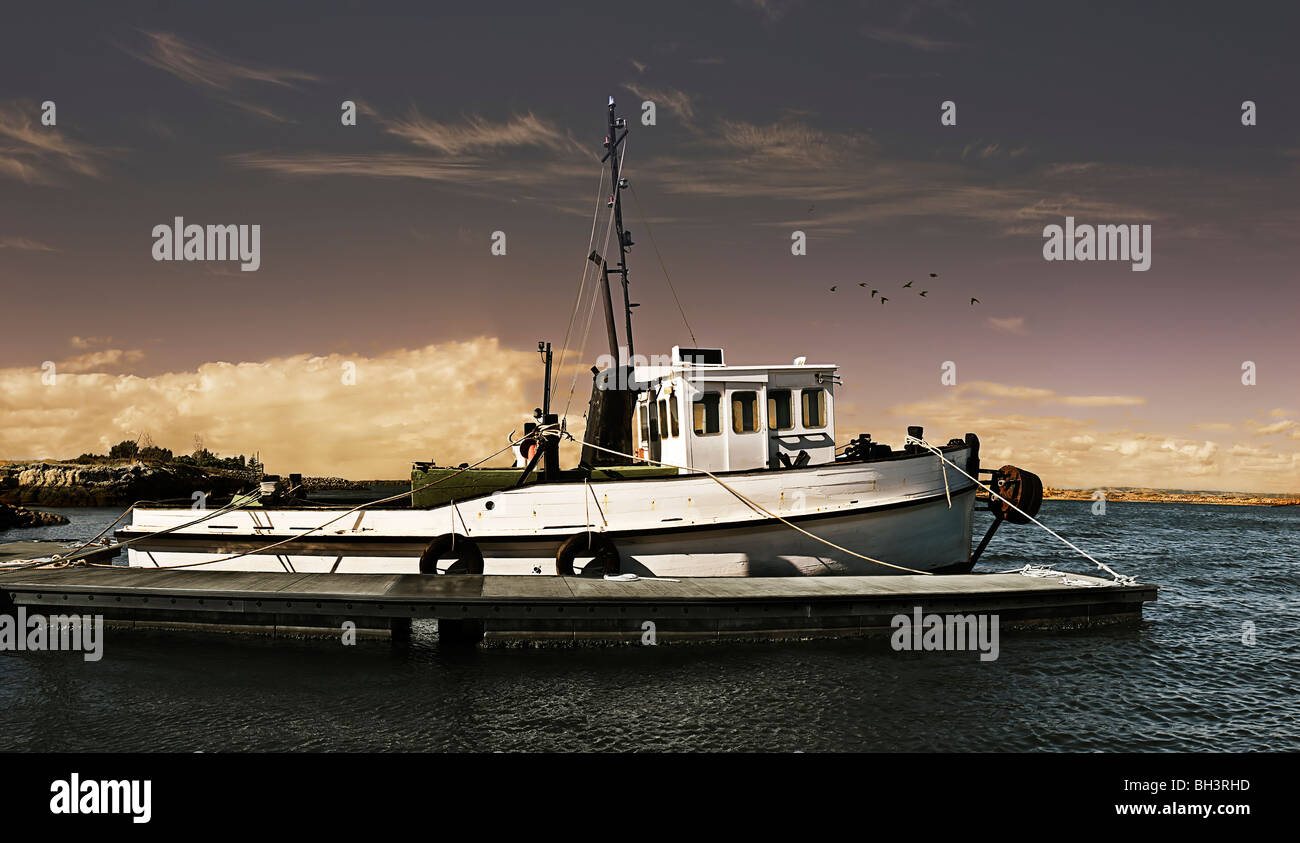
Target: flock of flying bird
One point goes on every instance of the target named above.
(921, 293)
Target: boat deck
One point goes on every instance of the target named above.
(550, 608)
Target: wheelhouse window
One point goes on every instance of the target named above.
(780, 410)
(644, 412)
(707, 413)
(814, 408)
(675, 422)
(663, 418)
(744, 412)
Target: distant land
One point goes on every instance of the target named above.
(102, 481)
(1124, 494)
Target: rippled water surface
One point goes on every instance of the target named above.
(1183, 681)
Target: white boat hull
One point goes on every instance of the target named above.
(898, 511)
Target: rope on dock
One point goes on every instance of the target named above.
(1029, 570)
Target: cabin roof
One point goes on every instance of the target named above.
(685, 361)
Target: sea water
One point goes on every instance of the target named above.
(1214, 666)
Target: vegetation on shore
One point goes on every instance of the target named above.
(130, 450)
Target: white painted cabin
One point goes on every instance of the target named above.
(702, 413)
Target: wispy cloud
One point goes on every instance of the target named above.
(788, 140)
(1282, 426)
(906, 29)
(476, 134)
(1008, 325)
(914, 40)
(103, 360)
(472, 155)
(403, 165)
(1103, 400)
(40, 154)
(678, 102)
(991, 389)
(220, 75)
(200, 66)
(986, 151)
(24, 244)
(854, 179)
(88, 342)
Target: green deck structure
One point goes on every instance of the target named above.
(473, 482)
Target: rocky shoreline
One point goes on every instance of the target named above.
(100, 484)
(17, 516)
(1171, 496)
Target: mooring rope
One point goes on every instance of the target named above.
(757, 507)
(64, 560)
(240, 502)
(1029, 570)
(251, 498)
(88, 542)
(391, 498)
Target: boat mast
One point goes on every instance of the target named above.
(613, 391)
(612, 142)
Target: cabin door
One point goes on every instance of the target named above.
(746, 441)
(708, 444)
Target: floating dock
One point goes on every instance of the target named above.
(533, 609)
(35, 549)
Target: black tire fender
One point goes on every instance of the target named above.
(469, 559)
(606, 556)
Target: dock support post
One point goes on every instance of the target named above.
(467, 632)
(400, 629)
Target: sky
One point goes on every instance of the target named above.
(380, 327)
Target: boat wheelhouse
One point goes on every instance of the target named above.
(703, 414)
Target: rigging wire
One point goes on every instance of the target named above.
(645, 220)
(582, 284)
(595, 293)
